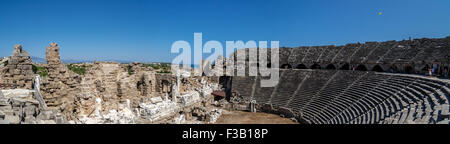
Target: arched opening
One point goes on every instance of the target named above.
(361, 68)
(223, 80)
(393, 69)
(330, 67)
(286, 66)
(165, 86)
(409, 69)
(269, 65)
(345, 67)
(426, 67)
(377, 68)
(301, 66)
(445, 72)
(315, 66)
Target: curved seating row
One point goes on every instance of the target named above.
(353, 97)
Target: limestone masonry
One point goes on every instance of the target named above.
(394, 82)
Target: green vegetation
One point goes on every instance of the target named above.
(130, 71)
(159, 68)
(41, 71)
(5, 63)
(154, 66)
(81, 70)
(164, 71)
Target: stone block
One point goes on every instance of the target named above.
(156, 100)
(49, 122)
(286, 112)
(12, 119)
(2, 115)
(13, 61)
(30, 120)
(26, 67)
(29, 110)
(60, 119)
(267, 108)
(45, 115)
(4, 102)
(4, 121)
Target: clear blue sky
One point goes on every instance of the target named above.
(143, 30)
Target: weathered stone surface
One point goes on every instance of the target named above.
(4, 121)
(213, 115)
(17, 73)
(60, 88)
(158, 111)
(12, 119)
(156, 100)
(106, 93)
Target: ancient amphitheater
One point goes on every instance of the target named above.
(394, 82)
(370, 83)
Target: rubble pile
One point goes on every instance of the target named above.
(181, 119)
(213, 115)
(104, 92)
(189, 98)
(19, 107)
(122, 116)
(158, 110)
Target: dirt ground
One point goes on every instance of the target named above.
(241, 117)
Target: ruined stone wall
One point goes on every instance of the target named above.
(61, 86)
(18, 72)
(407, 56)
(164, 83)
(107, 92)
(113, 84)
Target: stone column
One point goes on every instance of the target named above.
(176, 87)
(252, 106)
(174, 93)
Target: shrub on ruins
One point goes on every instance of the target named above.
(129, 70)
(41, 71)
(78, 69)
(5, 63)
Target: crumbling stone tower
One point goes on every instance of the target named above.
(52, 55)
(62, 85)
(18, 73)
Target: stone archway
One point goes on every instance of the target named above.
(409, 69)
(316, 66)
(361, 68)
(346, 66)
(330, 67)
(377, 68)
(301, 66)
(286, 66)
(165, 86)
(393, 69)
